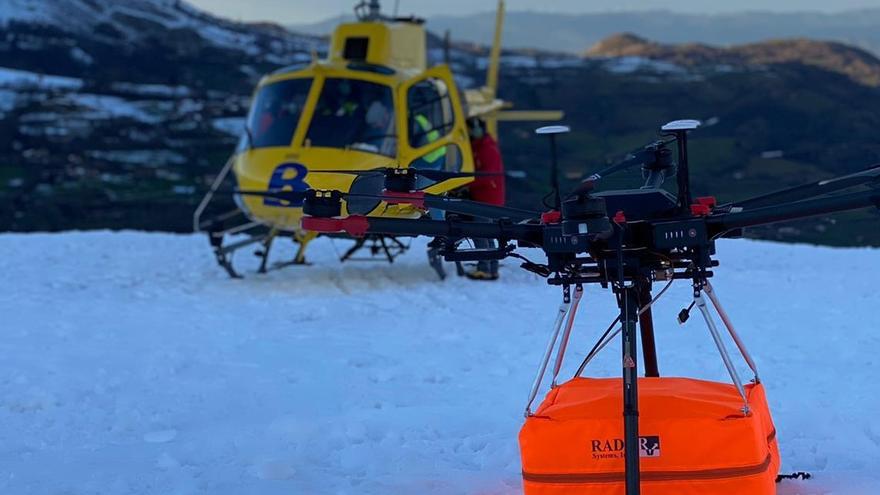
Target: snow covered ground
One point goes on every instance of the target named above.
(129, 364)
(20, 79)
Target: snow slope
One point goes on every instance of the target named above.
(131, 365)
(135, 20)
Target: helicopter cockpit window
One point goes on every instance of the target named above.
(353, 114)
(430, 112)
(275, 113)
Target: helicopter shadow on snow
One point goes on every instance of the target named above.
(326, 273)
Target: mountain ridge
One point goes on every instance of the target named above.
(857, 64)
(573, 33)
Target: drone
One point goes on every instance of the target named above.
(627, 241)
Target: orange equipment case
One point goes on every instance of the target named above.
(694, 439)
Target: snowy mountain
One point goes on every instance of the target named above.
(140, 22)
(133, 366)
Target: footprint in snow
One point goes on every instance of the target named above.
(274, 470)
(161, 436)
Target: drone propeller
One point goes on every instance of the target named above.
(435, 175)
(655, 159)
(645, 155)
(328, 203)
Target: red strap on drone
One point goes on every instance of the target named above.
(703, 206)
(709, 201)
(322, 225)
(551, 217)
(355, 226)
(699, 210)
(416, 199)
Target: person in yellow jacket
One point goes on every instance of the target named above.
(427, 134)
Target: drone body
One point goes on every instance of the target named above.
(627, 241)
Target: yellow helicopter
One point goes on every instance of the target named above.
(372, 104)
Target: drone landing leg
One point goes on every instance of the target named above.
(628, 298)
(716, 336)
(710, 291)
(554, 335)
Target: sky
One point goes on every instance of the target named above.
(305, 11)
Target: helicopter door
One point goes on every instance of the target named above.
(434, 132)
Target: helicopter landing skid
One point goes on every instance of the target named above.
(256, 234)
(388, 247)
(223, 253)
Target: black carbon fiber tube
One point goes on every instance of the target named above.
(793, 211)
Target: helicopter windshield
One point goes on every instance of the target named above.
(353, 114)
(276, 112)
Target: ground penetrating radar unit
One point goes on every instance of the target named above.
(373, 103)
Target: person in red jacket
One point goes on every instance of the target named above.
(486, 189)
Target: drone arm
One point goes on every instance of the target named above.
(477, 209)
(806, 191)
(794, 211)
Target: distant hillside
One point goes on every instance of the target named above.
(112, 113)
(858, 64)
(574, 33)
(143, 40)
